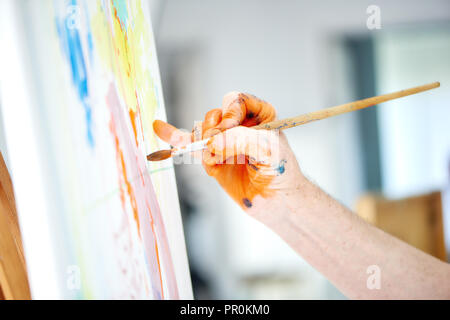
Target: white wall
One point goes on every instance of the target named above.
(415, 139)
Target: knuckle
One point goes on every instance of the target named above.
(234, 97)
(240, 98)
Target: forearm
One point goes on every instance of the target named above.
(342, 246)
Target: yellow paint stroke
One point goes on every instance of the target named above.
(126, 50)
(132, 53)
(119, 47)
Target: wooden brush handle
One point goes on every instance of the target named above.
(343, 108)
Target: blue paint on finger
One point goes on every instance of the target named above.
(281, 167)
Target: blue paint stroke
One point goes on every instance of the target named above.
(71, 43)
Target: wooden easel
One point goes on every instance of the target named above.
(416, 220)
(13, 274)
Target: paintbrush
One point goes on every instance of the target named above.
(302, 119)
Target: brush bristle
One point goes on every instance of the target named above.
(159, 155)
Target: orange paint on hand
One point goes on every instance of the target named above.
(243, 179)
(170, 134)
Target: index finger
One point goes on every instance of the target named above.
(244, 109)
(171, 134)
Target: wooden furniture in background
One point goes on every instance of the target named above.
(415, 220)
(13, 275)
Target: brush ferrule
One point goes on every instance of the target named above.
(195, 146)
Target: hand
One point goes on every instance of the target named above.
(259, 171)
(253, 166)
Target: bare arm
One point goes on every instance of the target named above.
(343, 247)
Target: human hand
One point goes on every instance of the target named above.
(253, 166)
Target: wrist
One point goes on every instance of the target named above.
(300, 210)
(279, 209)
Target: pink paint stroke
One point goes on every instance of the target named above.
(152, 228)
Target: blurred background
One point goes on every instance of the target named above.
(302, 56)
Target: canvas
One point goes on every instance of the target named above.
(112, 218)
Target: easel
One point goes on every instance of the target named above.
(416, 220)
(13, 274)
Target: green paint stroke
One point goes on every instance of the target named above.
(113, 193)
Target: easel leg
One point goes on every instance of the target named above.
(13, 275)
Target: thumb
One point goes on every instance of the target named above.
(261, 146)
(171, 134)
